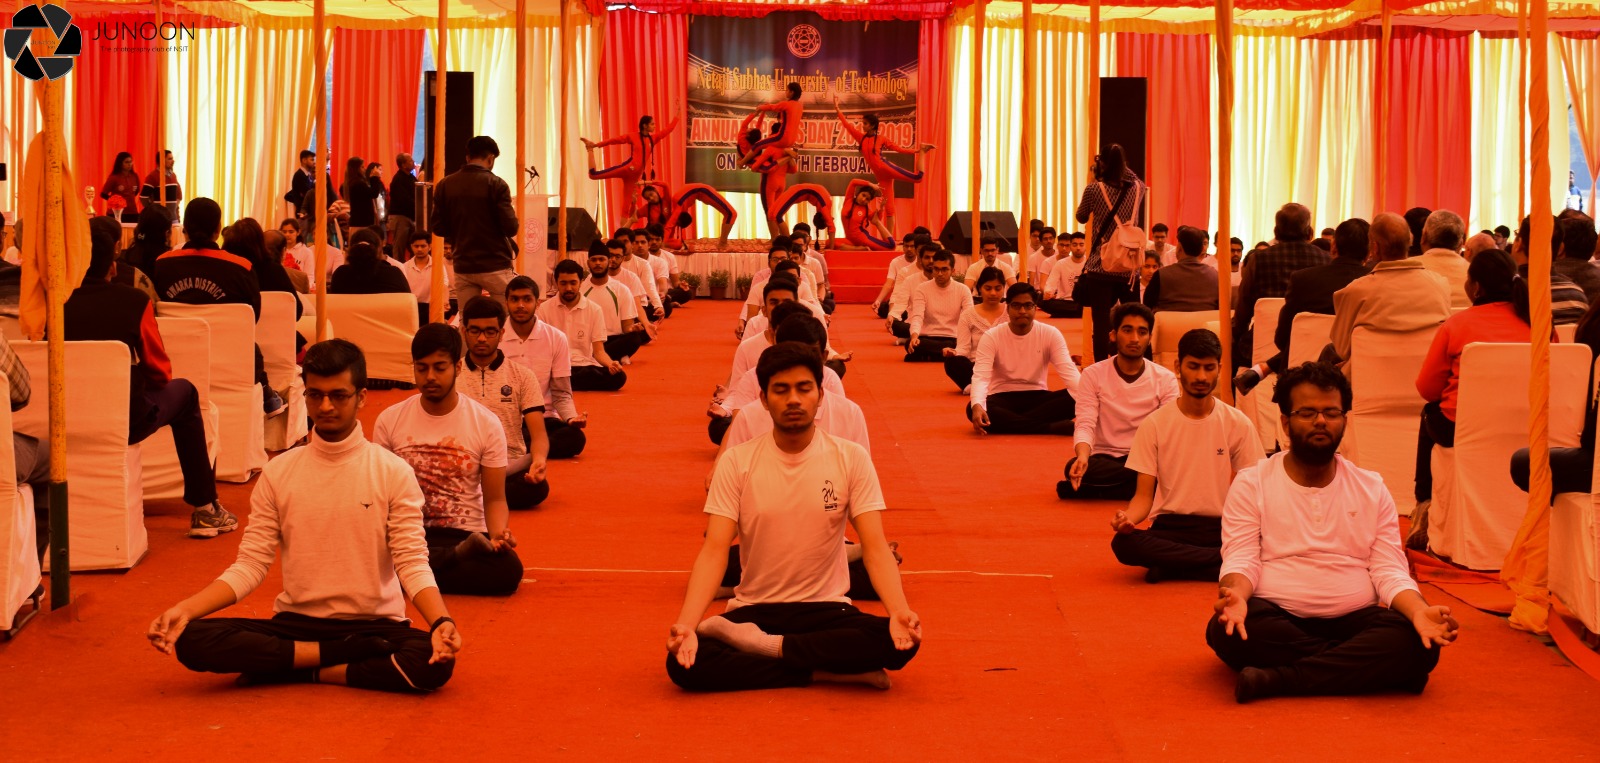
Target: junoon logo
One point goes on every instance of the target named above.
(19, 38)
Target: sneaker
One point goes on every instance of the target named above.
(1246, 381)
(272, 403)
(211, 521)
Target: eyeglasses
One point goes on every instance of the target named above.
(1308, 415)
(489, 332)
(316, 396)
(1022, 305)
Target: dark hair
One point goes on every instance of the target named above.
(784, 356)
(794, 91)
(779, 283)
(366, 249)
(804, 328)
(1323, 376)
(1035, 225)
(569, 266)
(306, 153)
(988, 240)
(1199, 344)
(1113, 165)
(353, 177)
(1158, 228)
(1322, 243)
(1501, 230)
(1076, 235)
(1047, 231)
(644, 120)
(1328, 231)
(623, 233)
(116, 164)
(598, 248)
(202, 219)
(638, 233)
(783, 243)
(870, 119)
(786, 266)
(1191, 240)
(333, 357)
(988, 274)
(481, 307)
(1122, 311)
(1350, 239)
(246, 239)
(800, 228)
(655, 230)
(1577, 237)
(1292, 223)
(149, 236)
(479, 146)
(1235, 240)
(102, 250)
(1020, 288)
(909, 238)
(436, 337)
(1495, 273)
(421, 235)
(784, 312)
(944, 255)
(523, 282)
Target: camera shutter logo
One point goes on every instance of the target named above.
(804, 40)
(19, 41)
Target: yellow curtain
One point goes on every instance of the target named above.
(1581, 63)
(1495, 177)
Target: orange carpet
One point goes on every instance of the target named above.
(1039, 646)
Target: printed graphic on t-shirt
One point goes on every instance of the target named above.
(830, 497)
(449, 475)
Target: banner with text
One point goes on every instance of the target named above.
(738, 64)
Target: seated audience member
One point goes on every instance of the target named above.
(341, 618)
(776, 293)
(746, 388)
(31, 456)
(365, 270)
(905, 286)
(757, 322)
(246, 239)
(275, 244)
(458, 450)
(543, 349)
(1576, 250)
(1063, 279)
(1400, 294)
(622, 273)
(1311, 290)
(1568, 302)
(513, 395)
(1187, 284)
(1310, 605)
(616, 302)
(1480, 242)
(122, 271)
(1442, 236)
(418, 271)
(1147, 274)
(636, 260)
(584, 324)
(975, 321)
(152, 237)
(1158, 243)
(814, 267)
(1186, 454)
(1042, 263)
(1571, 469)
(1499, 313)
(908, 248)
(99, 310)
(1265, 275)
(936, 307)
(1114, 397)
(1416, 220)
(790, 623)
(1009, 394)
(988, 257)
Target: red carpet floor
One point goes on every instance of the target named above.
(1039, 646)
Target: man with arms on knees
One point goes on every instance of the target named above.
(620, 252)
(897, 266)
(584, 324)
(1114, 398)
(1315, 596)
(472, 210)
(1186, 454)
(787, 496)
(936, 307)
(543, 349)
(905, 286)
(346, 516)
(989, 257)
(1043, 263)
(458, 451)
(617, 303)
(512, 394)
(1063, 279)
(636, 258)
(1009, 393)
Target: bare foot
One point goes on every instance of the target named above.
(476, 543)
(877, 679)
(745, 637)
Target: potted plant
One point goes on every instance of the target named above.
(690, 282)
(743, 286)
(717, 282)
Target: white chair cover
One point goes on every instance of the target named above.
(1264, 346)
(1386, 409)
(1308, 337)
(275, 335)
(382, 325)
(1567, 332)
(1575, 553)
(188, 343)
(240, 451)
(1477, 509)
(19, 556)
(103, 483)
(1170, 326)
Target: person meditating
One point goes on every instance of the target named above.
(1186, 454)
(1315, 596)
(787, 496)
(346, 516)
(936, 308)
(1009, 394)
(975, 321)
(1115, 396)
(512, 393)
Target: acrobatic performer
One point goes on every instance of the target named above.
(655, 206)
(812, 194)
(863, 219)
(772, 164)
(872, 148)
(640, 163)
(790, 117)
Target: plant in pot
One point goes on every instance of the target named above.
(690, 282)
(743, 286)
(717, 283)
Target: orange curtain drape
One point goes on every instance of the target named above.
(643, 70)
(1178, 163)
(931, 203)
(376, 82)
(1430, 126)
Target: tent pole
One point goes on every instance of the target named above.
(436, 161)
(319, 215)
(1223, 40)
(161, 117)
(522, 130)
(1522, 110)
(1026, 152)
(561, 140)
(1385, 61)
(1093, 130)
(979, 14)
(56, 288)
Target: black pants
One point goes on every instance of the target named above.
(1029, 411)
(679, 295)
(178, 405)
(487, 573)
(1571, 470)
(1107, 477)
(717, 428)
(900, 328)
(1179, 545)
(1436, 429)
(930, 349)
(624, 345)
(1369, 650)
(959, 369)
(826, 636)
(666, 310)
(883, 310)
(1063, 308)
(520, 493)
(1100, 292)
(837, 365)
(597, 379)
(33, 470)
(860, 582)
(565, 441)
(266, 647)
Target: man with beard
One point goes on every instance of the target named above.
(458, 451)
(543, 349)
(1315, 597)
(622, 273)
(1186, 454)
(1009, 390)
(354, 513)
(616, 302)
(1114, 398)
(513, 395)
(787, 497)
(584, 323)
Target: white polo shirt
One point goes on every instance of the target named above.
(616, 303)
(583, 324)
(545, 352)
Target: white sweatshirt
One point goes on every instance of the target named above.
(1110, 410)
(1006, 362)
(935, 311)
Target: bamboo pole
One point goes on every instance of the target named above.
(161, 117)
(522, 131)
(1094, 83)
(562, 138)
(436, 161)
(979, 18)
(1522, 110)
(319, 215)
(56, 290)
(1026, 153)
(1224, 42)
(1380, 173)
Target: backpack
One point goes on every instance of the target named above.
(1123, 250)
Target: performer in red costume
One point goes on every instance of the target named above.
(812, 194)
(790, 120)
(773, 164)
(652, 206)
(872, 148)
(640, 163)
(682, 218)
(863, 219)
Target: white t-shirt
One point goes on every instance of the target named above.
(646, 276)
(791, 510)
(971, 327)
(1006, 362)
(836, 415)
(616, 303)
(421, 279)
(976, 269)
(900, 266)
(935, 310)
(808, 289)
(1042, 265)
(1110, 410)
(747, 388)
(1063, 277)
(448, 454)
(758, 322)
(1194, 460)
(583, 324)
(904, 286)
(545, 352)
(660, 268)
(748, 353)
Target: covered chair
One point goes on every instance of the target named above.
(1575, 551)
(19, 555)
(382, 325)
(1308, 337)
(188, 343)
(1258, 404)
(1386, 408)
(240, 452)
(275, 335)
(1170, 327)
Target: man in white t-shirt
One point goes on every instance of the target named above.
(1009, 373)
(624, 272)
(512, 393)
(1040, 264)
(545, 350)
(778, 306)
(1063, 279)
(676, 292)
(905, 286)
(936, 307)
(1158, 243)
(457, 449)
(787, 497)
(1114, 398)
(988, 257)
(636, 259)
(419, 274)
(898, 265)
(624, 335)
(1186, 454)
(584, 323)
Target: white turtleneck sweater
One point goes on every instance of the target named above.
(347, 517)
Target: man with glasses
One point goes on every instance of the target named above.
(1009, 393)
(511, 392)
(1315, 596)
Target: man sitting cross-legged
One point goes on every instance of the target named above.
(936, 307)
(617, 303)
(1315, 596)
(778, 304)
(458, 450)
(1009, 393)
(787, 496)
(346, 516)
(543, 349)
(1115, 396)
(1186, 454)
(512, 394)
(584, 323)
(747, 388)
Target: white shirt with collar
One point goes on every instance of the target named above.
(583, 324)
(421, 279)
(546, 352)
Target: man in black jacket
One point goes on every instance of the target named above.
(402, 205)
(301, 183)
(472, 210)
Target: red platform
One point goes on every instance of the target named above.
(857, 277)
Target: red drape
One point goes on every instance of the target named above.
(1430, 133)
(930, 205)
(1178, 155)
(904, 10)
(643, 70)
(376, 80)
(100, 130)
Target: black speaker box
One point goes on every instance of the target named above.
(957, 233)
(1124, 104)
(581, 230)
(458, 120)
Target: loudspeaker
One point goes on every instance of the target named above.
(581, 230)
(957, 233)
(458, 123)
(1124, 104)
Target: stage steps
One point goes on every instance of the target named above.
(856, 277)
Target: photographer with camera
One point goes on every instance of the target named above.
(1115, 201)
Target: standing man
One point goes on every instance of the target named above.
(301, 182)
(346, 517)
(543, 349)
(403, 200)
(584, 324)
(151, 190)
(472, 210)
(512, 394)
